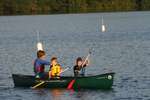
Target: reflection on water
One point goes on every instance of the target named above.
(63, 94)
(56, 94)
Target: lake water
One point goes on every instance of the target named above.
(124, 49)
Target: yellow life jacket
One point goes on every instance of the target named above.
(55, 70)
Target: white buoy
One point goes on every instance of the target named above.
(39, 44)
(103, 29)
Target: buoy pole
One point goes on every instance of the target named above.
(39, 44)
(103, 29)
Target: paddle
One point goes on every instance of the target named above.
(71, 83)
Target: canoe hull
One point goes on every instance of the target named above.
(103, 81)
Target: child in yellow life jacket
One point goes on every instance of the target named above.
(55, 68)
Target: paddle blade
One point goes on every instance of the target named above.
(70, 85)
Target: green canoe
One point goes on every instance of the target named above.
(103, 81)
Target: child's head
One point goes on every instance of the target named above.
(41, 54)
(54, 60)
(79, 61)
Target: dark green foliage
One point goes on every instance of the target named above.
(19, 7)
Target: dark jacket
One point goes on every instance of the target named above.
(77, 69)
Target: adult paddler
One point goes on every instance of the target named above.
(39, 65)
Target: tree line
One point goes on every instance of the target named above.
(26, 7)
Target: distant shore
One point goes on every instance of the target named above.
(35, 7)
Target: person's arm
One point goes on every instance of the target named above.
(44, 62)
(75, 69)
(87, 62)
(61, 70)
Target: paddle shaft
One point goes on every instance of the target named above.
(64, 70)
(37, 85)
(86, 59)
(38, 35)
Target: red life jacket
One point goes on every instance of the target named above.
(41, 68)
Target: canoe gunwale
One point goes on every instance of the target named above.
(32, 76)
